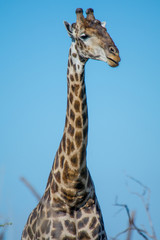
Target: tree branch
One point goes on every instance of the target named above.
(31, 188)
(145, 198)
(132, 225)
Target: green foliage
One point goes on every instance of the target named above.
(5, 224)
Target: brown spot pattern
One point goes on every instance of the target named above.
(65, 172)
(42, 213)
(33, 216)
(54, 187)
(47, 196)
(77, 106)
(74, 55)
(62, 161)
(71, 77)
(71, 62)
(78, 122)
(96, 231)
(68, 174)
(34, 226)
(74, 67)
(66, 122)
(79, 214)
(69, 238)
(72, 115)
(58, 176)
(74, 160)
(25, 233)
(71, 97)
(71, 212)
(56, 233)
(64, 142)
(71, 130)
(60, 147)
(78, 139)
(56, 161)
(83, 222)
(83, 235)
(68, 106)
(81, 94)
(30, 232)
(93, 223)
(73, 88)
(70, 227)
(76, 88)
(70, 147)
(76, 76)
(67, 83)
(45, 227)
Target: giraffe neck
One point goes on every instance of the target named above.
(69, 177)
(76, 125)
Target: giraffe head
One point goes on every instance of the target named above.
(92, 39)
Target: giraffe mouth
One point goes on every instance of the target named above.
(112, 62)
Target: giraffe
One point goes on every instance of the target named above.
(69, 209)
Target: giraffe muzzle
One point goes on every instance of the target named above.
(113, 61)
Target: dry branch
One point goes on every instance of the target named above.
(145, 198)
(132, 225)
(31, 188)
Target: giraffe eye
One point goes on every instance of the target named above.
(84, 36)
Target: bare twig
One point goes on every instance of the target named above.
(31, 188)
(120, 233)
(146, 192)
(132, 225)
(145, 198)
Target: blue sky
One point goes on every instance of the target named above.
(123, 104)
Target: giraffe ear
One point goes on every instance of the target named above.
(69, 29)
(103, 24)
